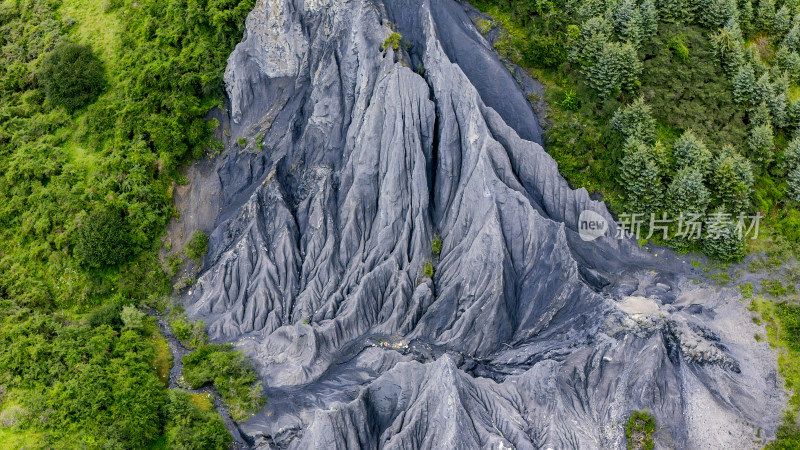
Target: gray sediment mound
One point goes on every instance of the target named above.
(526, 336)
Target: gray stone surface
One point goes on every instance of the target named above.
(525, 337)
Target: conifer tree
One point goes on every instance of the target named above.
(792, 39)
(687, 193)
(592, 38)
(649, 18)
(640, 177)
(627, 21)
(721, 239)
(763, 90)
(617, 68)
(760, 115)
(690, 151)
(675, 10)
(783, 21)
(746, 14)
(791, 156)
(744, 85)
(762, 144)
(793, 116)
(635, 121)
(728, 47)
(715, 13)
(765, 15)
(793, 185)
(789, 61)
(732, 179)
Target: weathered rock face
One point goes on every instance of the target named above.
(525, 336)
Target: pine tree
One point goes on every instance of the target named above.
(753, 56)
(687, 193)
(649, 18)
(636, 121)
(793, 116)
(732, 178)
(783, 21)
(762, 144)
(592, 38)
(792, 39)
(690, 151)
(763, 90)
(791, 156)
(746, 14)
(778, 109)
(793, 185)
(675, 10)
(627, 21)
(765, 15)
(590, 8)
(789, 61)
(723, 243)
(728, 47)
(744, 85)
(617, 68)
(759, 115)
(640, 177)
(715, 13)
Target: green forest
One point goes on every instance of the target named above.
(671, 107)
(101, 105)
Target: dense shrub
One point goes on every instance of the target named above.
(108, 315)
(103, 239)
(132, 318)
(72, 75)
(192, 427)
(230, 372)
(544, 51)
(81, 380)
(197, 247)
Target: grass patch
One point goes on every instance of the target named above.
(16, 438)
(204, 401)
(93, 22)
(163, 358)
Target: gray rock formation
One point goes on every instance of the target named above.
(525, 337)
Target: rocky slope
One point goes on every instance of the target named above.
(525, 337)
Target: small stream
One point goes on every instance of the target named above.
(240, 440)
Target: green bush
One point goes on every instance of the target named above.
(393, 42)
(544, 51)
(72, 75)
(678, 48)
(197, 247)
(108, 315)
(191, 334)
(132, 318)
(436, 246)
(103, 239)
(428, 270)
(639, 430)
(570, 101)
